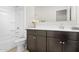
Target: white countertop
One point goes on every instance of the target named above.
(53, 29)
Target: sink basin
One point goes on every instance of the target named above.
(75, 28)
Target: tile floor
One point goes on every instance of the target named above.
(15, 50)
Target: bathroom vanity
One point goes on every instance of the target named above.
(52, 40)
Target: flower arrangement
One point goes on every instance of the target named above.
(34, 22)
(37, 21)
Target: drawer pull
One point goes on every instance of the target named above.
(60, 42)
(63, 42)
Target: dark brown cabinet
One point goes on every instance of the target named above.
(52, 41)
(36, 41)
(31, 40)
(72, 42)
(54, 45)
(55, 41)
(71, 46)
(31, 43)
(41, 41)
(41, 44)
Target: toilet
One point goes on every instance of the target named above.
(20, 44)
(20, 40)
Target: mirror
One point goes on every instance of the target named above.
(61, 15)
(53, 13)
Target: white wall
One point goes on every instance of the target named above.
(24, 16)
(47, 13)
(13, 17)
(77, 15)
(7, 27)
(10, 19)
(19, 10)
(30, 15)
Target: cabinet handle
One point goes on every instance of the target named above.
(34, 37)
(63, 42)
(60, 42)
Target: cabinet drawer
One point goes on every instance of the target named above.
(36, 32)
(31, 32)
(54, 34)
(41, 33)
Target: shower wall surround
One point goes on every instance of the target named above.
(7, 27)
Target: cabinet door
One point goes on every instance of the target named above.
(54, 45)
(31, 43)
(72, 36)
(41, 43)
(71, 46)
